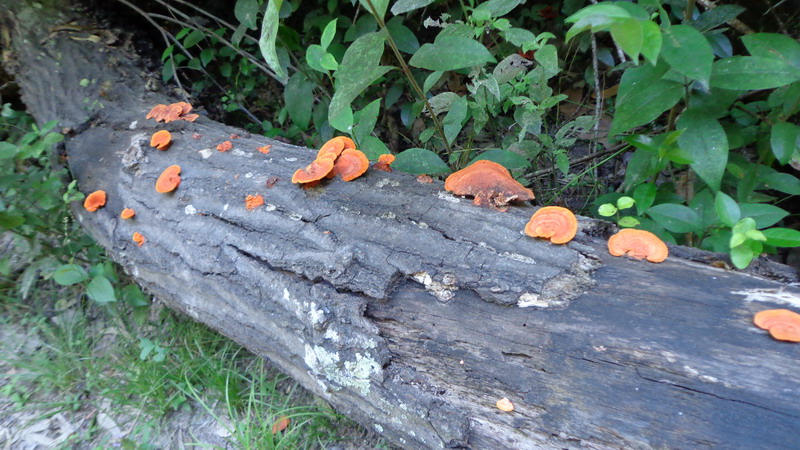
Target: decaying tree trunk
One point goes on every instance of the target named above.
(408, 309)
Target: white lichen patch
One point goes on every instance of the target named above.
(770, 296)
(270, 207)
(206, 153)
(190, 210)
(295, 216)
(290, 159)
(421, 224)
(386, 182)
(238, 152)
(248, 175)
(355, 374)
(388, 215)
(443, 290)
(225, 207)
(315, 316)
(378, 428)
(529, 299)
(332, 335)
(133, 124)
(519, 258)
(444, 195)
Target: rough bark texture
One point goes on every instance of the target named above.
(408, 309)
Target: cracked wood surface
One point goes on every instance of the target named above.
(408, 309)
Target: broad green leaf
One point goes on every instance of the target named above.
(644, 195)
(688, 52)
(134, 296)
(451, 53)
(741, 256)
(727, 209)
(652, 41)
(783, 182)
(625, 202)
(774, 45)
(496, 8)
(765, 215)
(343, 119)
(420, 161)
(7, 150)
(519, 36)
(454, 119)
(707, 144)
(628, 221)
(703, 204)
(597, 17)
(401, 6)
(10, 220)
(431, 81)
(69, 274)
(193, 38)
(247, 11)
(328, 62)
(299, 98)
(675, 218)
(373, 148)
(101, 290)
(379, 5)
(784, 140)
(713, 18)
(607, 210)
(747, 73)
(628, 33)
(365, 120)
(641, 166)
(642, 97)
(782, 237)
(327, 34)
(403, 37)
(547, 56)
(269, 33)
(505, 158)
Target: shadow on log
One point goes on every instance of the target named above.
(406, 308)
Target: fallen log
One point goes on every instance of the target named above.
(408, 309)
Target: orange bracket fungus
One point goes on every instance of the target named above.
(384, 162)
(424, 179)
(252, 202)
(505, 404)
(138, 238)
(96, 199)
(782, 324)
(315, 171)
(170, 113)
(127, 213)
(489, 183)
(638, 244)
(553, 222)
(333, 148)
(225, 146)
(161, 139)
(265, 149)
(351, 164)
(280, 424)
(169, 179)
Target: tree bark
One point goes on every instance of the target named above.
(408, 309)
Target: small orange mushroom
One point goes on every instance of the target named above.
(252, 202)
(424, 178)
(489, 183)
(638, 244)
(225, 146)
(127, 213)
(333, 147)
(161, 139)
(384, 162)
(138, 238)
(553, 222)
(280, 424)
(314, 171)
(351, 164)
(782, 324)
(265, 149)
(95, 200)
(504, 404)
(169, 179)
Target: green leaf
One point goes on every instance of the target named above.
(134, 296)
(625, 202)
(628, 33)
(505, 158)
(782, 237)
(644, 195)
(420, 161)
(727, 209)
(707, 144)
(365, 120)
(765, 215)
(314, 55)
(783, 182)
(774, 45)
(247, 11)
(7, 150)
(69, 274)
(607, 210)
(327, 34)
(652, 41)
(401, 6)
(713, 18)
(404, 38)
(328, 62)
(431, 81)
(10, 220)
(193, 38)
(642, 97)
(784, 140)
(741, 256)
(269, 33)
(496, 8)
(101, 290)
(451, 53)
(299, 98)
(519, 37)
(373, 148)
(747, 73)
(675, 218)
(454, 119)
(641, 166)
(597, 17)
(688, 52)
(628, 222)
(380, 6)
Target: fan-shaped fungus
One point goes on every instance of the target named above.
(252, 202)
(138, 238)
(639, 244)
(332, 147)
(351, 164)
(782, 324)
(127, 213)
(169, 113)
(424, 178)
(225, 146)
(169, 180)
(96, 199)
(265, 149)
(553, 222)
(384, 162)
(161, 139)
(314, 171)
(489, 183)
(157, 112)
(505, 404)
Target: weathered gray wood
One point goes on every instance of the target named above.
(408, 309)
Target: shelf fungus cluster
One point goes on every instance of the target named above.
(490, 184)
(337, 157)
(638, 244)
(782, 324)
(172, 112)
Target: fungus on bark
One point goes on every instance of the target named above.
(265, 149)
(138, 238)
(169, 180)
(172, 112)
(161, 139)
(638, 244)
(504, 404)
(424, 178)
(782, 324)
(95, 200)
(384, 162)
(332, 148)
(553, 222)
(127, 213)
(252, 202)
(489, 183)
(351, 164)
(314, 171)
(225, 146)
